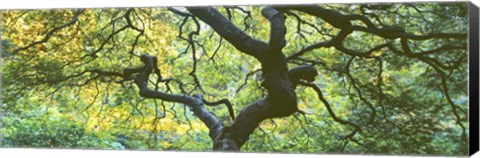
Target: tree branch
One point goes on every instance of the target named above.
(329, 109)
(336, 19)
(222, 101)
(239, 39)
(342, 21)
(194, 103)
(250, 117)
(50, 33)
(277, 29)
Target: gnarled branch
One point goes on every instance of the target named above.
(194, 103)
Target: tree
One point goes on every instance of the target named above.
(385, 73)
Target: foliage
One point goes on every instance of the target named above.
(62, 88)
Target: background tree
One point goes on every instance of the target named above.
(363, 78)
